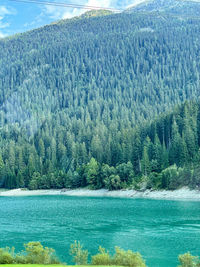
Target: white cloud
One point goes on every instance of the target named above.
(53, 12)
(99, 3)
(75, 12)
(4, 13)
(2, 35)
(90, 3)
(57, 13)
(4, 25)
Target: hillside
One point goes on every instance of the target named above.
(182, 8)
(77, 89)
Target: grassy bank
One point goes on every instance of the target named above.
(51, 265)
(30, 265)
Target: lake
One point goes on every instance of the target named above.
(158, 229)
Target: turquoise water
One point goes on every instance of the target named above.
(158, 229)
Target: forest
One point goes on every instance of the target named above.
(109, 101)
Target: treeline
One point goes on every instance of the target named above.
(35, 253)
(163, 154)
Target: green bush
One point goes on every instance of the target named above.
(128, 258)
(102, 258)
(172, 177)
(187, 260)
(20, 259)
(154, 181)
(35, 253)
(80, 256)
(6, 256)
(113, 182)
(120, 258)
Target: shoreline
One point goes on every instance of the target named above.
(179, 194)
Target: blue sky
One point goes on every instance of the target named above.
(19, 17)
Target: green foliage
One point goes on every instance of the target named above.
(154, 181)
(34, 253)
(80, 256)
(160, 151)
(37, 254)
(187, 260)
(102, 258)
(145, 162)
(73, 114)
(92, 174)
(128, 258)
(20, 259)
(113, 182)
(125, 172)
(6, 256)
(120, 258)
(171, 177)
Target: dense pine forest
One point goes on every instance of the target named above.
(106, 101)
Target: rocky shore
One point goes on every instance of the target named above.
(180, 194)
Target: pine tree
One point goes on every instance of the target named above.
(145, 162)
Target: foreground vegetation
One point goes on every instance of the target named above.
(35, 255)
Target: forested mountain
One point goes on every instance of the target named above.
(169, 7)
(75, 94)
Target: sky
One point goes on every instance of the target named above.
(18, 17)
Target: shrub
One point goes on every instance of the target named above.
(80, 256)
(127, 258)
(35, 253)
(6, 256)
(155, 181)
(172, 177)
(20, 259)
(120, 258)
(113, 182)
(187, 260)
(102, 258)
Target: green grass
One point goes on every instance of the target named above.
(31, 265)
(52, 265)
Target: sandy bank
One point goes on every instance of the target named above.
(180, 194)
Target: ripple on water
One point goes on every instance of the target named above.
(159, 230)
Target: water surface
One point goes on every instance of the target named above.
(158, 229)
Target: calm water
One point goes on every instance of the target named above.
(159, 230)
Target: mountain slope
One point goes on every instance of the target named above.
(173, 7)
(150, 61)
(77, 89)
